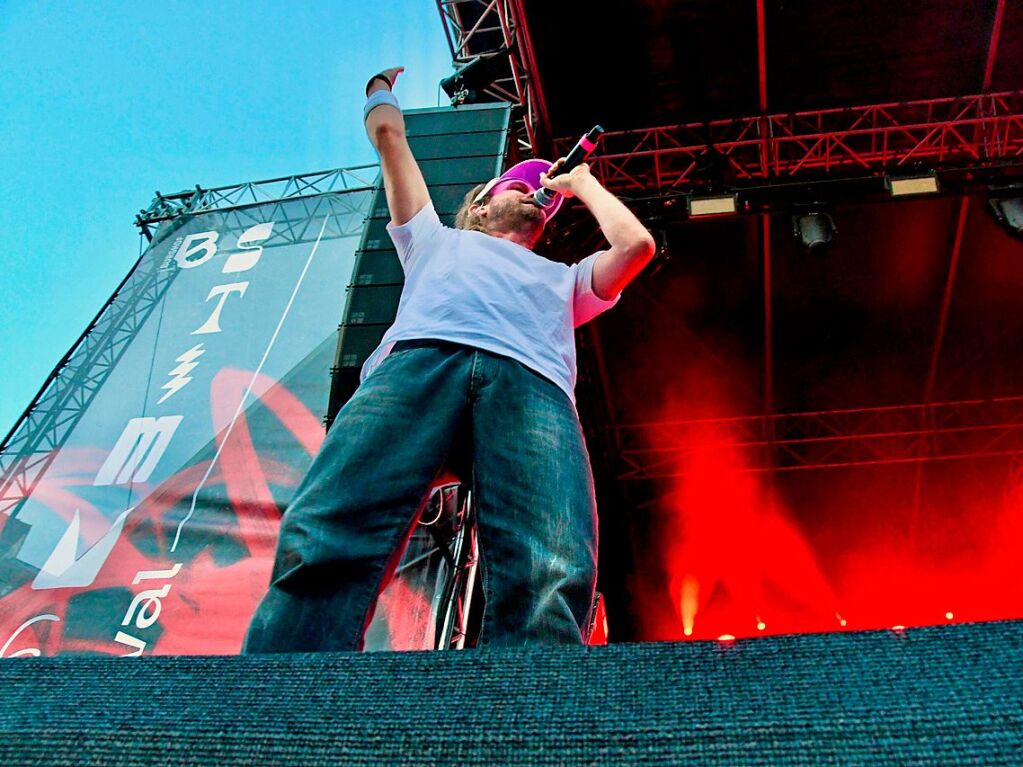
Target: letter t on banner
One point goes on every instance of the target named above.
(212, 325)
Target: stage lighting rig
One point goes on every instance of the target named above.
(468, 83)
(1006, 204)
(815, 228)
(911, 185)
(718, 205)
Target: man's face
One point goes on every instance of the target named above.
(513, 210)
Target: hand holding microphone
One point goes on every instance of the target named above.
(557, 183)
(545, 197)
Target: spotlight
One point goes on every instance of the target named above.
(467, 85)
(1009, 210)
(815, 229)
(900, 187)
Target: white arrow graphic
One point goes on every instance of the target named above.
(65, 569)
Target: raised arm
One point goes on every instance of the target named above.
(632, 246)
(403, 181)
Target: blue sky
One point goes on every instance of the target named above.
(99, 108)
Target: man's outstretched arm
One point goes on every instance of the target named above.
(632, 246)
(403, 181)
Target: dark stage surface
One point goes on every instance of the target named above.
(938, 696)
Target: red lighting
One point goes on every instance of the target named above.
(737, 546)
(849, 496)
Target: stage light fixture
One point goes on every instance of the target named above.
(1009, 211)
(909, 185)
(816, 229)
(467, 84)
(712, 206)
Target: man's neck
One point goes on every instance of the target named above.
(515, 237)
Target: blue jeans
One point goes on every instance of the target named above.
(532, 487)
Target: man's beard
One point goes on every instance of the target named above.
(516, 216)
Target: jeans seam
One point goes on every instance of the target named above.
(481, 640)
(472, 376)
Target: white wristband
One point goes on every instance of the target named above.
(378, 98)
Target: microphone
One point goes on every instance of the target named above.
(543, 196)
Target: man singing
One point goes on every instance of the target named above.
(482, 349)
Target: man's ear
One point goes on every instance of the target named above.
(480, 209)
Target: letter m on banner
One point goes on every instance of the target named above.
(138, 450)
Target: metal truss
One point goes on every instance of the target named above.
(828, 439)
(296, 220)
(39, 434)
(300, 202)
(496, 29)
(881, 138)
(199, 200)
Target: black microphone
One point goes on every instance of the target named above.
(543, 196)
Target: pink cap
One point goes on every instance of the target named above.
(527, 171)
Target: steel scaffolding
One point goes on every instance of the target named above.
(38, 435)
(968, 130)
(493, 29)
(40, 432)
(826, 439)
(238, 196)
(878, 138)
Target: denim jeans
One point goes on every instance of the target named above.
(532, 488)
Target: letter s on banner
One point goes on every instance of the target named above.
(251, 252)
(205, 242)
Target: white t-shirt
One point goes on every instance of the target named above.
(489, 293)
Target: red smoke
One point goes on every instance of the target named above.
(735, 551)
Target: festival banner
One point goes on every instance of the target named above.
(151, 527)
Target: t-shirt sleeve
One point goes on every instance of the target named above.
(587, 304)
(412, 237)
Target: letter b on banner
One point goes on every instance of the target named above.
(197, 249)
